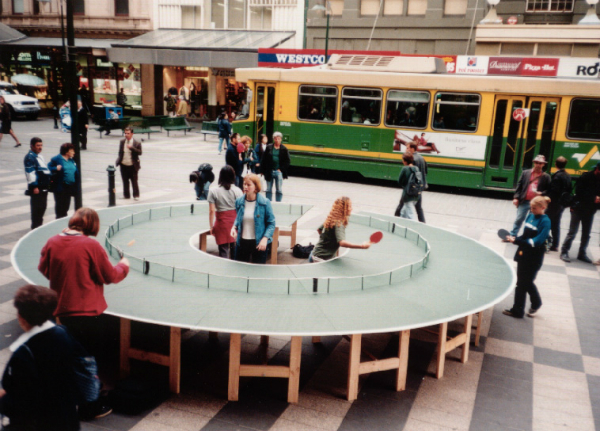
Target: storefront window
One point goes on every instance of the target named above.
(129, 80)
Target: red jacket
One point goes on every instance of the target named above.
(78, 268)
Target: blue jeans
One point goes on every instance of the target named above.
(522, 211)
(409, 211)
(278, 180)
(201, 194)
(221, 143)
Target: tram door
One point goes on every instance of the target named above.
(515, 140)
(265, 111)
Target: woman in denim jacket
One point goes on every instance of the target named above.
(255, 223)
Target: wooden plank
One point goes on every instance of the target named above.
(203, 239)
(441, 350)
(125, 344)
(175, 360)
(235, 348)
(274, 246)
(403, 357)
(464, 357)
(455, 342)
(478, 330)
(277, 371)
(353, 366)
(293, 239)
(378, 365)
(294, 382)
(155, 358)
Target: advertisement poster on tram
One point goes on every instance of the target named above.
(441, 144)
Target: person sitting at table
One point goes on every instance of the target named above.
(255, 223)
(332, 233)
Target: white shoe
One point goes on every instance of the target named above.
(136, 199)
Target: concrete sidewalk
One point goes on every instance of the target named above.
(529, 374)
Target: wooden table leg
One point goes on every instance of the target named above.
(235, 349)
(125, 344)
(175, 360)
(403, 365)
(293, 239)
(478, 330)
(294, 380)
(202, 241)
(464, 357)
(274, 246)
(354, 366)
(264, 340)
(441, 353)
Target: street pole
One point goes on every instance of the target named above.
(72, 88)
(326, 36)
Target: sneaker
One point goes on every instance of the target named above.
(94, 410)
(511, 313)
(584, 258)
(532, 311)
(103, 411)
(565, 257)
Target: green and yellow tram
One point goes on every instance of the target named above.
(357, 114)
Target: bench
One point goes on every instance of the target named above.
(176, 123)
(142, 126)
(103, 124)
(155, 120)
(209, 128)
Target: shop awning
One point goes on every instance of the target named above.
(50, 42)
(9, 34)
(209, 48)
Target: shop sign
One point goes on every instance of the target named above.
(101, 63)
(579, 68)
(289, 58)
(225, 73)
(539, 67)
(505, 66)
(25, 57)
(472, 65)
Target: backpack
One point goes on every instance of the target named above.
(302, 251)
(414, 188)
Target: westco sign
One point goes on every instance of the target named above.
(504, 66)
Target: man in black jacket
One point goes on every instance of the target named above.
(560, 191)
(274, 164)
(82, 122)
(533, 182)
(587, 200)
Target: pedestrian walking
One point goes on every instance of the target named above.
(130, 150)
(202, 179)
(332, 233)
(83, 124)
(420, 163)
(122, 98)
(232, 158)
(38, 180)
(259, 150)
(585, 204)
(66, 179)
(404, 180)
(254, 224)
(221, 212)
(530, 258)
(275, 163)
(6, 126)
(78, 268)
(533, 182)
(560, 195)
(224, 131)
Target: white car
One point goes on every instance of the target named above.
(19, 105)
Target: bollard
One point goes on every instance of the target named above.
(111, 186)
(55, 112)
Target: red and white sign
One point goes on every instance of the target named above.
(505, 66)
(520, 114)
(472, 65)
(539, 67)
(579, 68)
(512, 20)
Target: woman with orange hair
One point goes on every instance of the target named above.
(332, 233)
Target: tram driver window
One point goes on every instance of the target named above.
(583, 119)
(407, 109)
(317, 103)
(459, 112)
(361, 106)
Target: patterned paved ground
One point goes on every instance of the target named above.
(529, 374)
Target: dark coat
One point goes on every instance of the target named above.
(258, 151)
(560, 184)
(266, 162)
(40, 384)
(82, 120)
(232, 159)
(523, 185)
(586, 190)
(136, 152)
(224, 128)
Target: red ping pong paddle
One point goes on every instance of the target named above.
(376, 237)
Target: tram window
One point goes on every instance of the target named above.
(317, 103)
(458, 112)
(498, 137)
(583, 119)
(361, 106)
(407, 109)
(548, 129)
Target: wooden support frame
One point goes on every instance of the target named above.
(356, 367)
(478, 329)
(237, 370)
(446, 344)
(172, 360)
